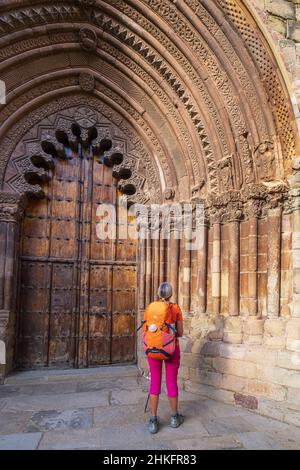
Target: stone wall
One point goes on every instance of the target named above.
(245, 361)
(281, 18)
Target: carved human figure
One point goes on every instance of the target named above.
(88, 39)
(265, 161)
(225, 173)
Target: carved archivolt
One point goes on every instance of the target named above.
(268, 75)
(186, 65)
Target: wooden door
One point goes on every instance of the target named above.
(77, 293)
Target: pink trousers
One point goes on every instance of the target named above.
(171, 367)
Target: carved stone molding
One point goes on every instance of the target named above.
(88, 39)
(86, 3)
(121, 22)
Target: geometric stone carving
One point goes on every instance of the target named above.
(85, 117)
(33, 168)
(86, 3)
(108, 124)
(85, 141)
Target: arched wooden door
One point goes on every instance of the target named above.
(77, 293)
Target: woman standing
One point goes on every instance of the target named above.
(173, 318)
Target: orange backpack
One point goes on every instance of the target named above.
(159, 337)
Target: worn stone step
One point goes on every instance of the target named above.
(51, 375)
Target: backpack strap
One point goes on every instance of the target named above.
(141, 325)
(168, 324)
(171, 327)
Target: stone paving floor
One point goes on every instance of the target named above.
(103, 408)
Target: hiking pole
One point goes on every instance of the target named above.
(147, 403)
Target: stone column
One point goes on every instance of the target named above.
(11, 211)
(162, 258)
(234, 268)
(186, 274)
(202, 270)
(148, 290)
(274, 257)
(142, 271)
(253, 327)
(156, 253)
(173, 259)
(216, 265)
(253, 262)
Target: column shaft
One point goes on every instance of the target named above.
(202, 271)
(234, 268)
(253, 267)
(216, 269)
(274, 258)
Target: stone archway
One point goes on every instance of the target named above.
(194, 88)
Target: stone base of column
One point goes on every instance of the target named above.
(253, 330)
(233, 330)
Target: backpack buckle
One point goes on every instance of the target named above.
(152, 328)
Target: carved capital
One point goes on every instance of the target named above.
(253, 208)
(258, 198)
(233, 213)
(277, 194)
(215, 215)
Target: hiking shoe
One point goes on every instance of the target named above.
(176, 420)
(153, 425)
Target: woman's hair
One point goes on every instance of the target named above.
(165, 290)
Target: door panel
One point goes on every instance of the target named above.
(62, 316)
(77, 298)
(124, 318)
(99, 336)
(34, 313)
